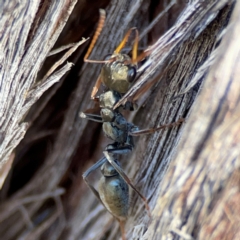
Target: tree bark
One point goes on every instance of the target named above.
(25, 44)
(189, 173)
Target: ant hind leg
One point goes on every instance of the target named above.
(97, 165)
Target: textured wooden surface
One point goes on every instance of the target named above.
(190, 173)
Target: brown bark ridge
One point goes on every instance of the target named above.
(189, 173)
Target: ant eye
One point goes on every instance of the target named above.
(107, 57)
(131, 74)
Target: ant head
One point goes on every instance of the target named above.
(119, 73)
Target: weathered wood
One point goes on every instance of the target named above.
(199, 193)
(182, 56)
(25, 44)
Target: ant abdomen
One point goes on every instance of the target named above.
(114, 192)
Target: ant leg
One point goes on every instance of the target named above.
(109, 155)
(152, 130)
(97, 165)
(92, 117)
(118, 150)
(122, 228)
(96, 87)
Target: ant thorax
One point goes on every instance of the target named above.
(109, 99)
(115, 126)
(117, 130)
(119, 73)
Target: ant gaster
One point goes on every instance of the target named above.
(117, 74)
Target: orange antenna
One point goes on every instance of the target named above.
(95, 37)
(124, 41)
(143, 55)
(135, 47)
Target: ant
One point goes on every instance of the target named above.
(117, 75)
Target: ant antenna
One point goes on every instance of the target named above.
(95, 37)
(135, 47)
(124, 41)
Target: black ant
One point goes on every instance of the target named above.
(117, 74)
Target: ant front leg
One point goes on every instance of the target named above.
(91, 117)
(96, 87)
(109, 154)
